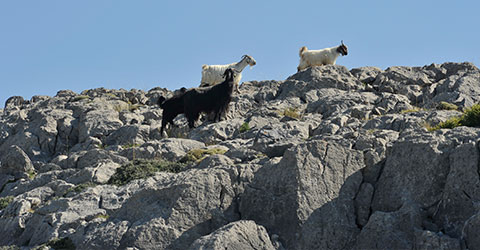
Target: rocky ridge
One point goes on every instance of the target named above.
(326, 159)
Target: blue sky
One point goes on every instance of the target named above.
(47, 46)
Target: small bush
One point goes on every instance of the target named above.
(130, 145)
(102, 216)
(450, 123)
(292, 113)
(447, 106)
(143, 168)
(127, 107)
(31, 174)
(470, 118)
(197, 155)
(4, 201)
(244, 128)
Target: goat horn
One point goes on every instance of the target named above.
(342, 43)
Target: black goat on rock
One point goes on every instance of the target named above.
(171, 107)
(210, 99)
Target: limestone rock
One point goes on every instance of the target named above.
(236, 235)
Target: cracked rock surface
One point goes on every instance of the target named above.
(326, 159)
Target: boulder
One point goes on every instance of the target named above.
(15, 162)
(308, 196)
(236, 235)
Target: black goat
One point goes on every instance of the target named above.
(171, 107)
(210, 99)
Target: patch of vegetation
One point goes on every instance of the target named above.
(143, 168)
(447, 106)
(4, 201)
(121, 107)
(127, 107)
(197, 155)
(103, 216)
(31, 174)
(292, 113)
(131, 145)
(244, 128)
(470, 118)
(79, 188)
(133, 107)
(63, 243)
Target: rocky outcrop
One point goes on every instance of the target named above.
(327, 159)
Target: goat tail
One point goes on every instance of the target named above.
(204, 67)
(302, 49)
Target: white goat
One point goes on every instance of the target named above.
(213, 74)
(320, 57)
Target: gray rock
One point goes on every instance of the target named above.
(93, 157)
(391, 230)
(101, 121)
(431, 240)
(329, 76)
(100, 235)
(13, 102)
(274, 140)
(129, 135)
(419, 167)
(470, 232)
(216, 132)
(332, 159)
(15, 162)
(461, 190)
(366, 74)
(173, 149)
(236, 235)
(305, 190)
(362, 203)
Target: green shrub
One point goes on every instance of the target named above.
(292, 113)
(244, 128)
(450, 123)
(470, 118)
(447, 106)
(31, 174)
(143, 168)
(197, 155)
(130, 145)
(4, 201)
(127, 107)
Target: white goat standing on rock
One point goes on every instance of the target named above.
(213, 74)
(309, 58)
